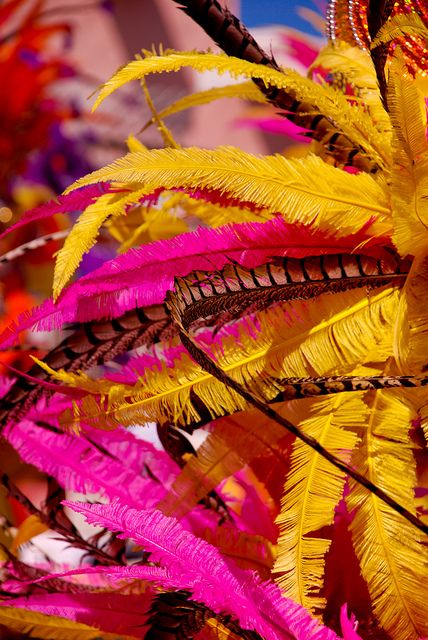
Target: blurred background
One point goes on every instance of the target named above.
(107, 34)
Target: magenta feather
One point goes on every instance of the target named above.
(136, 453)
(192, 563)
(50, 386)
(143, 276)
(254, 515)
(277, 126)
(107, 611)
(78, 465)
(75, 201)
(348, 625)
(299, 46)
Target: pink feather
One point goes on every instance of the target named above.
(124, 446)
(142, 276)
(51, 386)
(107, 611)
(254, 515)
(80, 466)
(300, 46)
(276, 126)
(348, 625)
(75, 201)
(193, 564)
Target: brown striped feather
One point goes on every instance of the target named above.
(236, 289)
(173, 616)
(90, 344)
(235, 40)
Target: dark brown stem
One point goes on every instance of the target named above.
(211, 367)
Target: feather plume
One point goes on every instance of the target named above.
(411, 325)
(195, 565)
(392, 556)
(236, 289)
(75, 201)
(87, 346)
(355, 68)
(122, 445)
(84, 233)
(399, 25)
(409, 188)
(348, 625)
(289, 342)
(302, 190)
(255, 509)
(80, 466)
(312, 490)
(112, 613)
(351, 121)
(142, 276)
(50, 627)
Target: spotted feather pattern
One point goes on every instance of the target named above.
(237, 288)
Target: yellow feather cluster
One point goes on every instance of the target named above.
(385, 331)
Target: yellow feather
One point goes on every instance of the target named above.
(329, 335)
(312, 490)
(47, 627)
(351, 120)
(405, 24)
(215, 630)
(423, 415)
(242, 90)
(145, 224)
(411, 326)
(392, 557)
(303, 190)
(355, 66)
(83, 235)
(211, 214)
(167, 137)
(32, 526)
(134, 145)
(409, 188)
